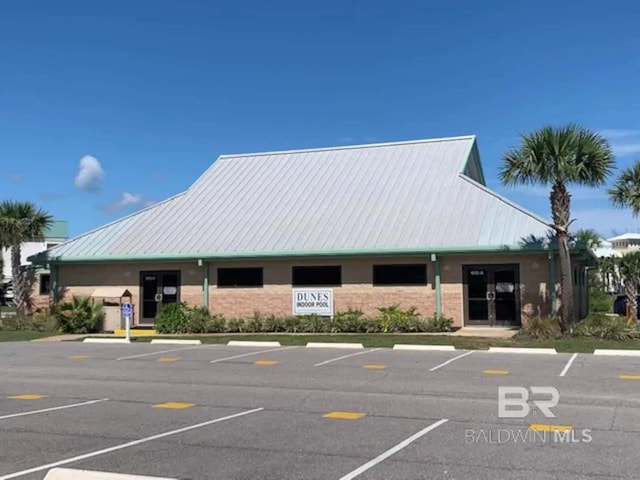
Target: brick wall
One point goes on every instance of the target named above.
(356, 291)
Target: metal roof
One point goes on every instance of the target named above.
(625, 236)
(382, 197)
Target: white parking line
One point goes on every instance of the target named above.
(63, 407)
(345, 356)
(248, 355)
(125, 445)
(568, 365)
(449, 361)
(158, 352)
(391, 451)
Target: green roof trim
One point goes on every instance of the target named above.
(222, 256)
(59, 229)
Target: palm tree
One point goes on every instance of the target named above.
(625, 192)
(590, 237)
(558, 157)
(20, 222)
(630, 270)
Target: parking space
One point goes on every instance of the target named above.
(251, 412)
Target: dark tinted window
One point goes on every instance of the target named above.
(400, 274)
(240, 277)
(45, 284)
(316, 276)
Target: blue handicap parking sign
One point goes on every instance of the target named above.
(126, 309)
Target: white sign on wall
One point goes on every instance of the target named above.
(307, 301)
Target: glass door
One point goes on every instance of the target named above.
(491, 295)
(157, 289)
(477, 287)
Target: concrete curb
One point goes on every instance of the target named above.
(441, 348)
(611, 352)
(247, 343)
(547, 351)
(73, 474)
(333, 345)
(105, 340)
(176, 342)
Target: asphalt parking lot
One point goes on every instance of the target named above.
(222, 412)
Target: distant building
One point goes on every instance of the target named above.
(55, 235)
(627, 242)
(606, 250)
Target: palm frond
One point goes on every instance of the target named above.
(625, 192)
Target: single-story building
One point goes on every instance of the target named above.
(410, 223)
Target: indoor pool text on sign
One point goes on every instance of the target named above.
(307, 301)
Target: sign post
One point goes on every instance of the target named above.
(127, 311)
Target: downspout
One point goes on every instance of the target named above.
(436, 269)
(552, 281)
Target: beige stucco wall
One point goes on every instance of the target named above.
(356, 292)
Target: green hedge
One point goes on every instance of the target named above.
(181, 318)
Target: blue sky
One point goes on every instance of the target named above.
(108, 106)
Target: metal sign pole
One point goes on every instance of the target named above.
(127, 320)
(127, 310)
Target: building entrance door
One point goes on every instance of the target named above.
(491, 295)
(157, 289)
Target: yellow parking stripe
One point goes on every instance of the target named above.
(539, 427)
(629, 377)
(374, 367)
(174, 405)
(344, 415)
(28, 396)
(78, 357)
(496, 372)
(168, 359)
(266, 362)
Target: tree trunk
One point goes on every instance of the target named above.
(631, 290)
(560, 211)
(20, 293)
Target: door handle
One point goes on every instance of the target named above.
(491, 295)
(158, 297)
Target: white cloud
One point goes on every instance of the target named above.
(127, 202)
(626, 148)
(619, 133)
(90, 174)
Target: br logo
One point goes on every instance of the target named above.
(513, 402)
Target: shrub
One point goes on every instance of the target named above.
(350, 321)
(438, 324)
(292, 324)
(217, 324)
(314, 324)
(172, 318)
(272, 323)
(198, 319)
(394, 319)
(235, 325)
(42, 321)
(603, 326)
(254, 324)
(600, 301)
(541, 327)
(80, 315)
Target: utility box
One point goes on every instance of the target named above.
(111, 299)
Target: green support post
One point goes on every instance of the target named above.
(436, 269)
